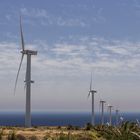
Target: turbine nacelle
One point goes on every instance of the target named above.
(110, 106)
(29, 81)
(93, 91)
(29, 52)
(102, 101)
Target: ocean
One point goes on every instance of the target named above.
(59, 118)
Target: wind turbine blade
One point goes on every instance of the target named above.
(88, 94)
(25, 80)
(18, 73)
(25, 86)
(21, 33)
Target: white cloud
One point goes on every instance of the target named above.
(35, 13)
(50, 19)
(70, 22)
(108, 57)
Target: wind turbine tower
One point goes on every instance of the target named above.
(102, 111)
(117, 117)
(28, 80)
(92, 92)
(110, 114)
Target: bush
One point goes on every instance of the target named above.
(127, 131)
(63, 137)
(46, 137)
(76, 128)
(33, 138)
(20, 137)
(69, 127)
(59, 127)
(88, 126)
(35, 126)
(1, 133)
(12, 136)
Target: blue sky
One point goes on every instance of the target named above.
(72, 38)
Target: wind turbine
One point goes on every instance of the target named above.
(110, 114)
(102, 102)
(117, 117)
(137, 122)
(92, 92)
(28, 80)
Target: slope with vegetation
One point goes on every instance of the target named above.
(125, 131)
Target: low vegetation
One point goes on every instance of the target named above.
(12, 136)
(125, 131)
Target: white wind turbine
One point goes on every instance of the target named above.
(117, 117)
(28, 80)
(92, 92)
(110, 114)
(102, 102)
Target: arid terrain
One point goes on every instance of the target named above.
(125, 131)
(47, 133)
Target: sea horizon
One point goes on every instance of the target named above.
(61, 118)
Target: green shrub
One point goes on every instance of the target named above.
(63, 138)
(88, 126)
(127, 131)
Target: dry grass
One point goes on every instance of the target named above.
(46, 133)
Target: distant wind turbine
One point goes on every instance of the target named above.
(28, 80)
(102, 102)
(92, 92)
(137, 122)
(121, 119)
(117, 117)
(110, 114)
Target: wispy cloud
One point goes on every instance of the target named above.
(107, 57)
(35, 13)
(98, 17)
(47, 18)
